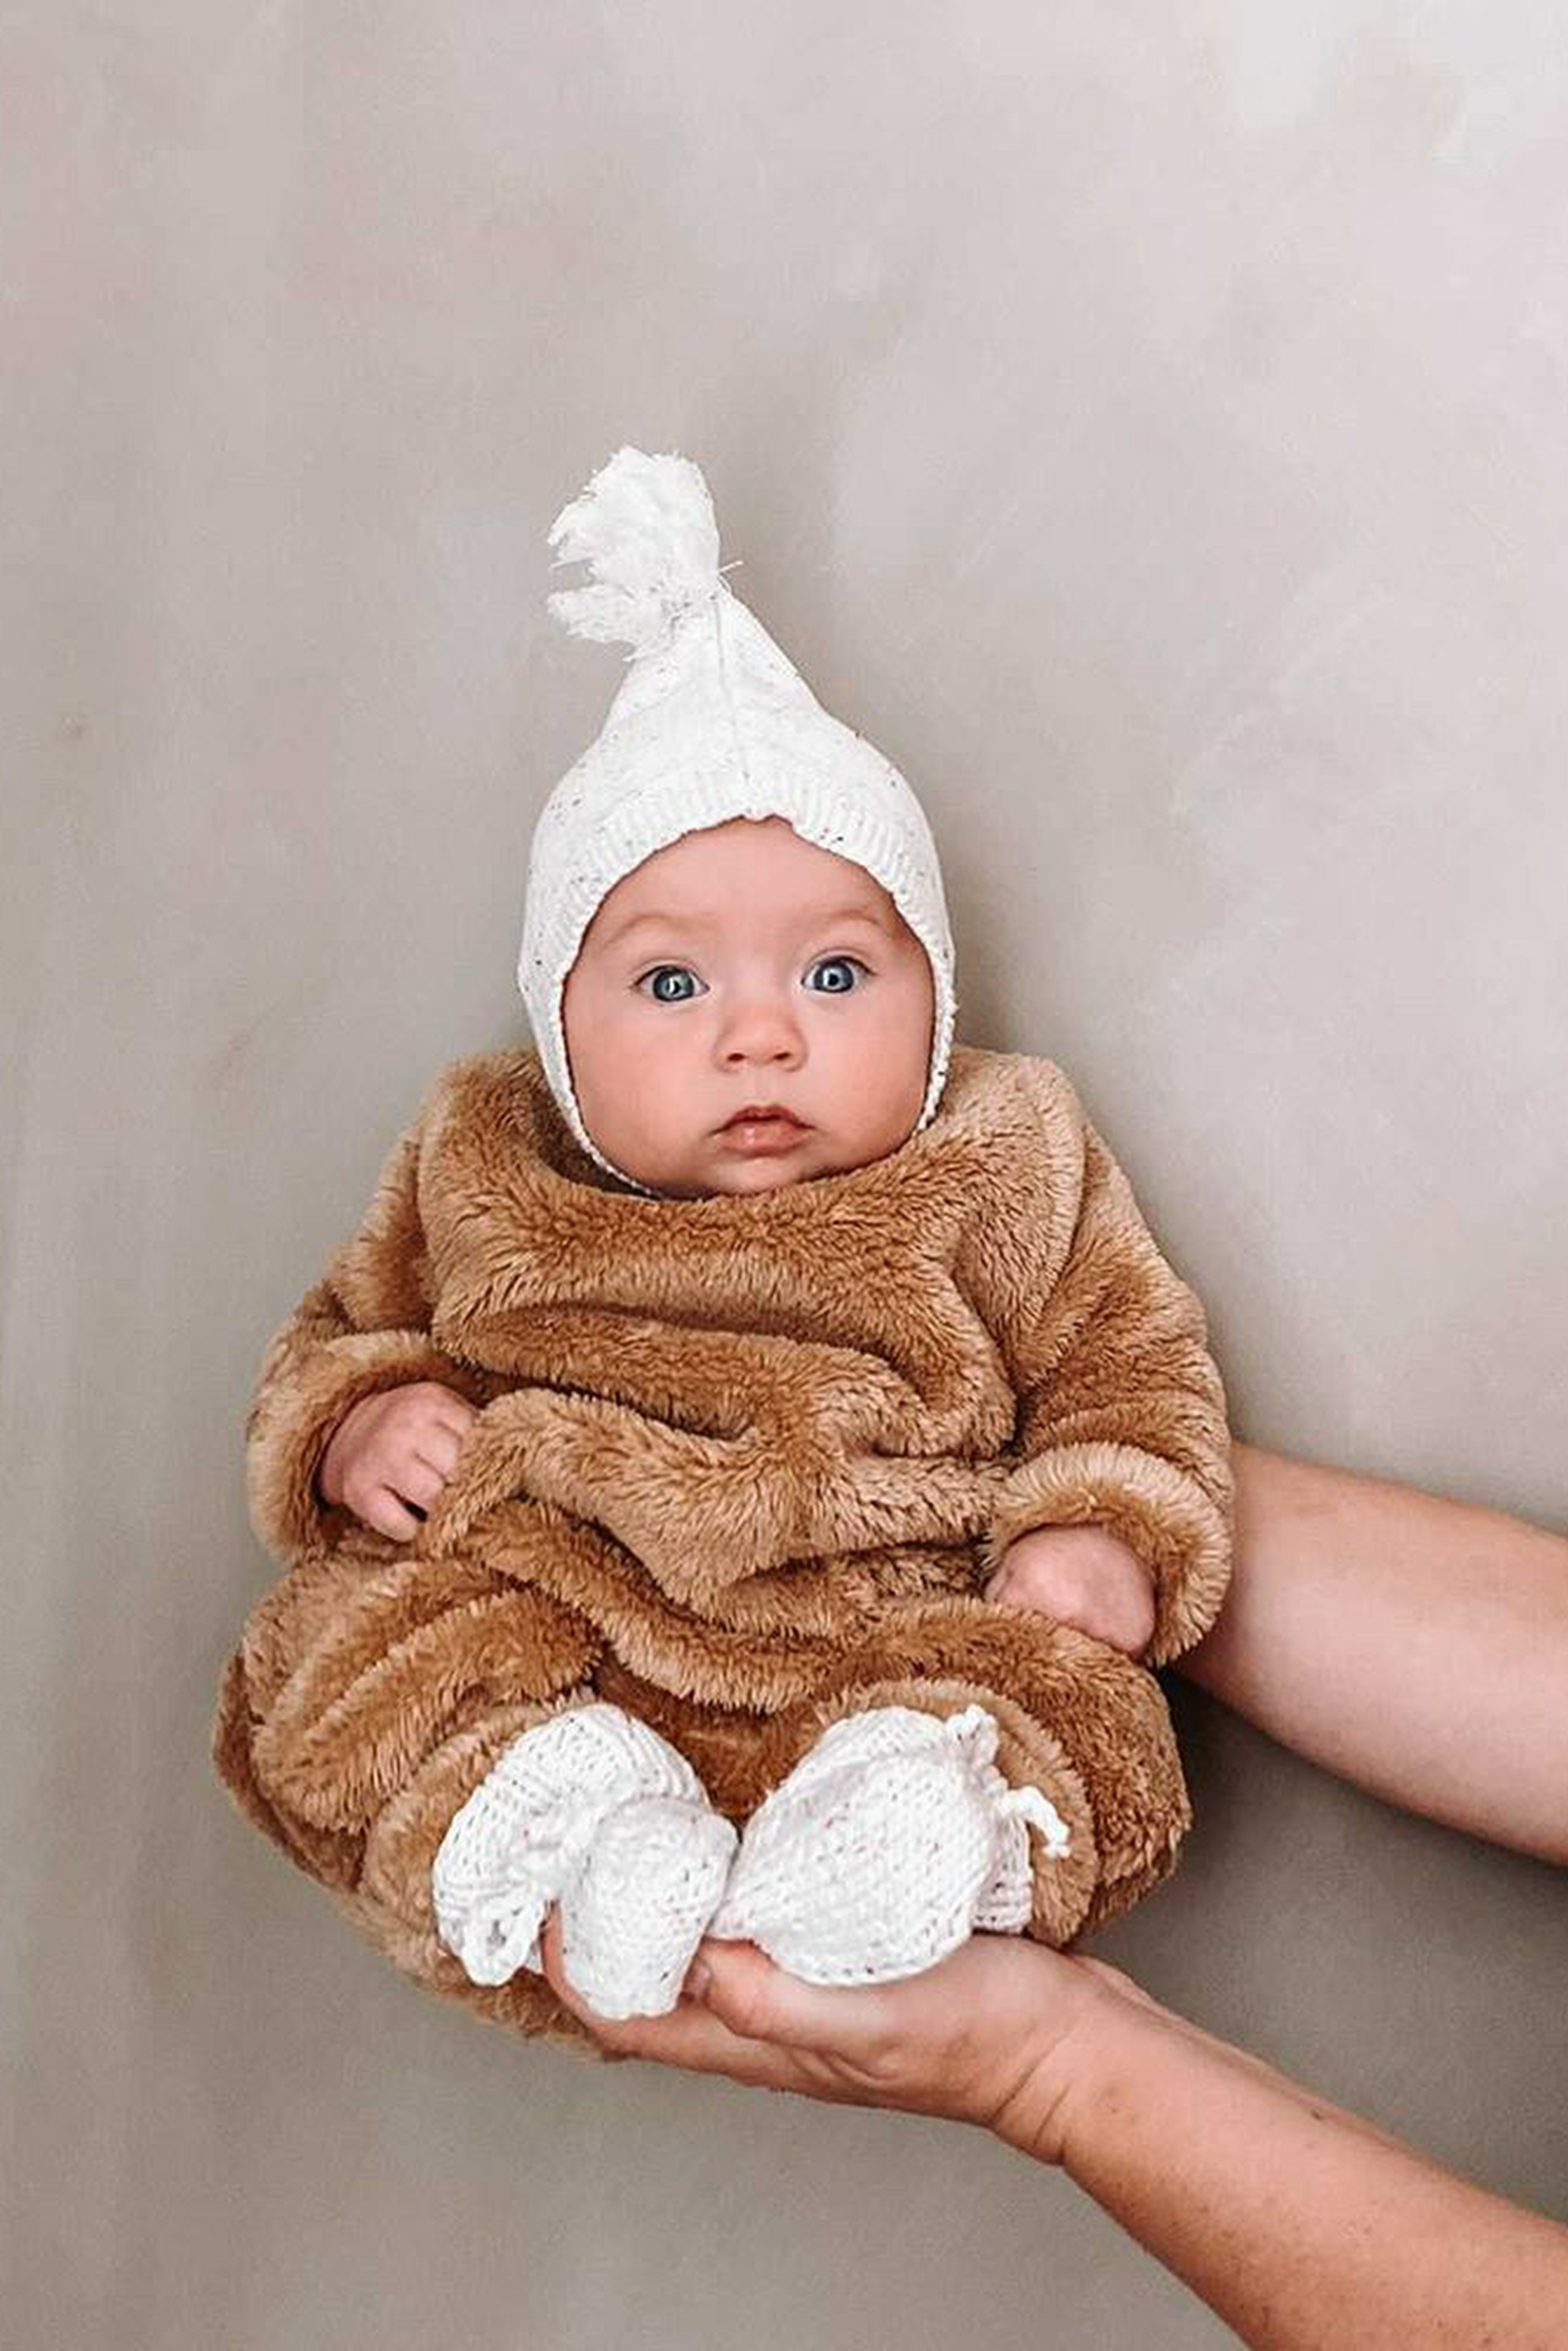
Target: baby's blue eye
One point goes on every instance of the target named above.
(662, 972)
(838, 963)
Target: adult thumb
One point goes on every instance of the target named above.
(760, 2001)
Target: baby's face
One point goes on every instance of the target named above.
(740, 967)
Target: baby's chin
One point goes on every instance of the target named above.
(741, 1183)
(736, 1183)
(730, 1175)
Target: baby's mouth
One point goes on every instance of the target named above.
(763, 1126)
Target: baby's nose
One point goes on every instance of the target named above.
(764, 1028)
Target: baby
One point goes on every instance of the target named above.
(746, 1010)
(760, 1358)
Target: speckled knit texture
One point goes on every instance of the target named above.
(711, 721)
(892, 1840)
(521, 1840)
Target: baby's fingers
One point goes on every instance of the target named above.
(419, 1483)
(383, 1510)
(454, 1412)
(438, 1448)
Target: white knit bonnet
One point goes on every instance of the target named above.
(710, 722)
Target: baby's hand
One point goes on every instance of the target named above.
(392, 1453)
(1084, 1576)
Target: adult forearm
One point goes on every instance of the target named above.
(1300, 2224)
(1417, 1646)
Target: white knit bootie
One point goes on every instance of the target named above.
(593, 1810)
(888, 1844)
(632, 1916)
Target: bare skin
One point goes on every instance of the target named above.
(1301, 2225)
(1079, 1575)
(392, 1453)
(739, 966)
(1364, 1619)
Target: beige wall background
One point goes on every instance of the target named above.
(1147, 423)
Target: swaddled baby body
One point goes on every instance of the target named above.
(810, 1391)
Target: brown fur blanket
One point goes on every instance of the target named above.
(741, 1466)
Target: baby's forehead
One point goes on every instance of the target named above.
(721, 915)
(745, 872)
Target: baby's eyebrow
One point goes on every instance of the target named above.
(618, 931)
(676, 922)
(856, 915)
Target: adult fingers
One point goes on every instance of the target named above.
(976, 2036)
(691, 2035)
(947, 2042)
(761, 2001)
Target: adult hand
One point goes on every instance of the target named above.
(990, 2035)
(1253, 2189)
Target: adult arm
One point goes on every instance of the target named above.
(1298, 2222)
(1417, 1646)
(1301, 2225)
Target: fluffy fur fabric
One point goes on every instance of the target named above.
(742, 1465)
